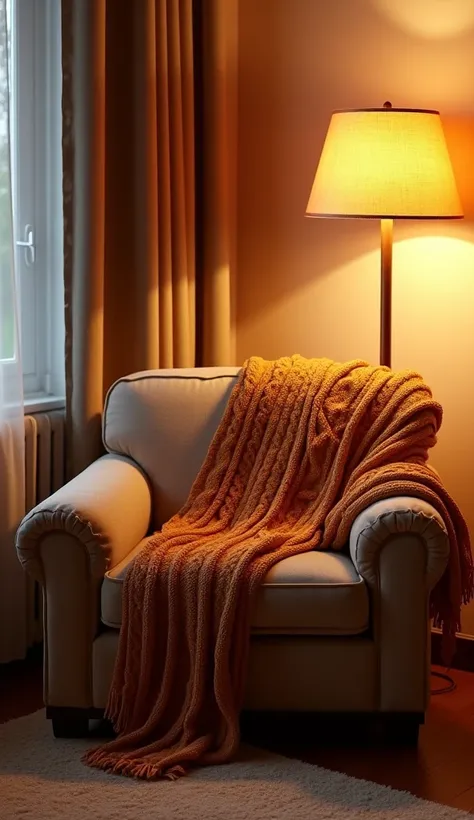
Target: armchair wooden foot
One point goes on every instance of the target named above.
(71, 722)
(403, 729)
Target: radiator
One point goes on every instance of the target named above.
(44, 474)
(44, 456)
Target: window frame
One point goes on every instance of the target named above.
(37, 197)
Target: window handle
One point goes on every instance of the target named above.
(28, 243)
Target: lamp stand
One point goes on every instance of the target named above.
(386, 238)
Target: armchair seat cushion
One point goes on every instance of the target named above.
(315, 593)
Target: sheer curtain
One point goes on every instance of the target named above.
(14, 590)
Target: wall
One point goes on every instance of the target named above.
(312, 286)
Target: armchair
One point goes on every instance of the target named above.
(332, 631)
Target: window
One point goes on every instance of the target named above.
(7, 346)
(35, 116)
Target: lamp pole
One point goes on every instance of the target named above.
(386, 239)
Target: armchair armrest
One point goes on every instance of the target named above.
(67, 543)
(393, 517)
(107, 508)
(400, 547)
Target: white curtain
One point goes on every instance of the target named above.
(15, 591)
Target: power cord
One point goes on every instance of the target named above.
(443, 690)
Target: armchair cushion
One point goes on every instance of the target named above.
(165, 420)
(315, 593)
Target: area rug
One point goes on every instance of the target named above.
(43, 779)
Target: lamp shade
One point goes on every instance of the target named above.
(385, 163)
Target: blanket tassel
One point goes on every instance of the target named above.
(143, 770)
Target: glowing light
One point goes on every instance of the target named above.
(385, 162)
(432, 19)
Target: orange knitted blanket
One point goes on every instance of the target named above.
(303, 447)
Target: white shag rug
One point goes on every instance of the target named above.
(43, 779)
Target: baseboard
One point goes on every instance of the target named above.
(463, 657)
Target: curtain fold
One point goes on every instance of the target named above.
(219, 22)
(146, 162)
(15, 588)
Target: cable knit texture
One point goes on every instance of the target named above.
(304, 446)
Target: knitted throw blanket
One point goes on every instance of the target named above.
(303, 447)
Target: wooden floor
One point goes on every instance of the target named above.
(440, 769)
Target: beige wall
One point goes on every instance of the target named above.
(312, 286)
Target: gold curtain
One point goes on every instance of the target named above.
(149, 108)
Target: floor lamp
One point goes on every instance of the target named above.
(385, 163)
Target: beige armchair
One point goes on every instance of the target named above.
(332, 632)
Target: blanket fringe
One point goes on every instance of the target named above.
(175, 773)
(113, 712)
(140, 769)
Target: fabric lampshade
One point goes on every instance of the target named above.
(385, 163)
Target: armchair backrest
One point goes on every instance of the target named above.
(164, 420)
